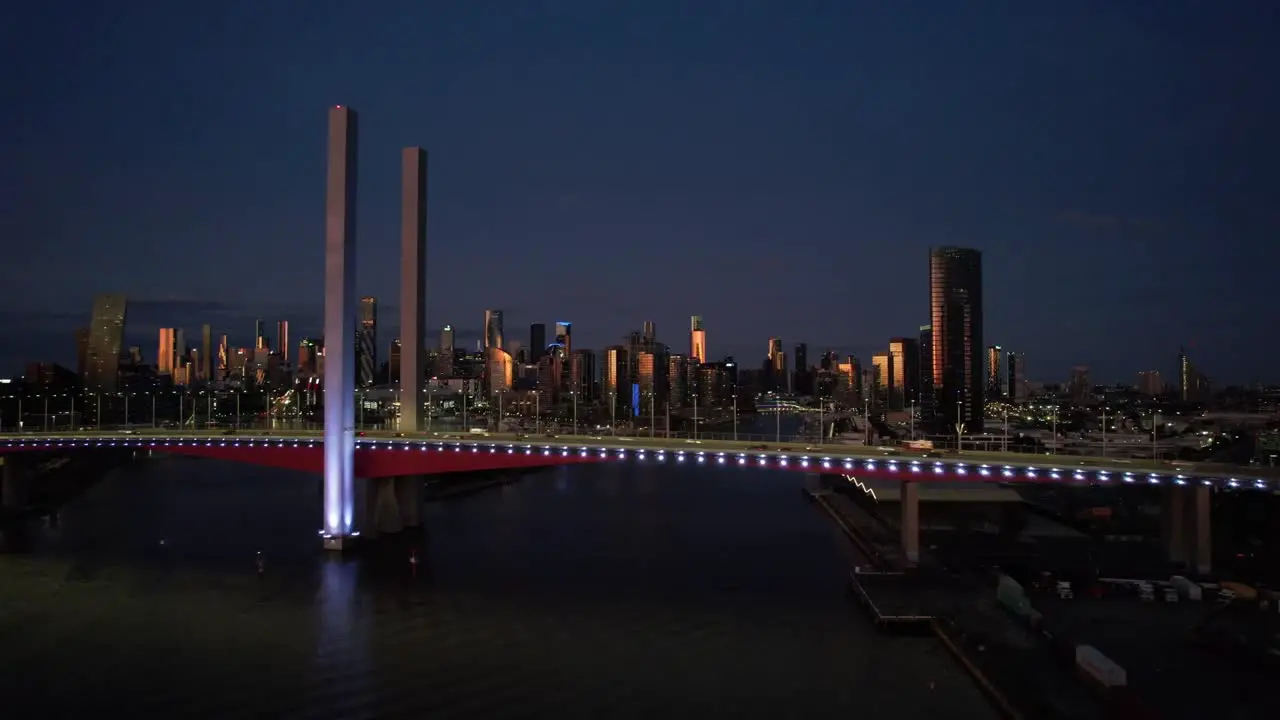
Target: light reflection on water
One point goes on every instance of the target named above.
(602, 591)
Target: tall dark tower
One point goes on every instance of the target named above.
(955, 312)
(413, 285)
(537, 342)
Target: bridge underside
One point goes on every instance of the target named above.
(378, 462)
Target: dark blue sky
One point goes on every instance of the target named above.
(780, 168)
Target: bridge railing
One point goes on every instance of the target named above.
(687, 441)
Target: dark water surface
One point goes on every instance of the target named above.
(590, 591)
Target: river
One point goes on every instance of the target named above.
(617, 590)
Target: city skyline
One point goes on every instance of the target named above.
(1093, 241)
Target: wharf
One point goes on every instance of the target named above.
(1004, 658)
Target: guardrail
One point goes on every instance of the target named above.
(833, 451)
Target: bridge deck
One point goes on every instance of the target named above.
(867, 464)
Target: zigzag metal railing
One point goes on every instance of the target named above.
(862, 486)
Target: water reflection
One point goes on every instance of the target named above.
(618, 590)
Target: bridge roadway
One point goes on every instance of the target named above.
(989, 466)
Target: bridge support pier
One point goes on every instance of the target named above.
(384, 507)
(409, 498)
(1186, 526)
(910, 522)
(15, 484)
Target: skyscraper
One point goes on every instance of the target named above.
(444, 361)
(413, 285)
(697, 339)
(339, 314)
(282, 339)
(492, 329)
(106, 339)
(904, 366)
(955, 306)
(996, 385)
(394, 356)
(537, 342)
(206, 353)
(564, 335)
(166, 352)
(367, 350)
(259, 334)
(926, 391)
(650, 331)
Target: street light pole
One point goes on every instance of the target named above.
(913, 419)
(46, 413)
(695, 416)
(126, 410)
(1055, 429)
(653, 415)
(574, 393)
(866, 421)
(735, 417)
(821, 426)
(99, 419)
(537, 411)
(1104, 431)
(959, 423)
(1005, 440)
(777, 422)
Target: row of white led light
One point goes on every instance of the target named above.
(825, 463)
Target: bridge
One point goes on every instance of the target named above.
(391, 465)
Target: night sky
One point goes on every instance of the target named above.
(780, 168)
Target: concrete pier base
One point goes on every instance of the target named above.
(385, 518)
(1186, 526)
(409, 498)
(910, 522)
(15, 484)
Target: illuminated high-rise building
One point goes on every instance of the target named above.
(206, 353)
(224, 358)
(650, 331)
(678, 380)
(498, 369)
(444, 361)
(882, 376)
(492, 329)
(259, 334)
(282, 339)
(997, 388)
(776, 365)
(955, 306)
(697, 339)
(106, 339)
(615, 385)
(167, 352)
(564, 335)
(904, 371)
(367, 342)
